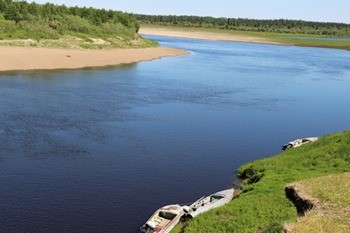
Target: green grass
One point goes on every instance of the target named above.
(262, 205)
(309, 41)
(75, 41)
(283, 38)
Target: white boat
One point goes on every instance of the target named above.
(163, 220)
(205, 204)
(298, 142)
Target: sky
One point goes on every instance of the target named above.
(310, 10)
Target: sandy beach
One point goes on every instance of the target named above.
(30, 58)
(33, 58)
(221, 36)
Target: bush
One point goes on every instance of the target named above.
(21, 20)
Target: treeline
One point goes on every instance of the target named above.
(275, 26)
(20, 19)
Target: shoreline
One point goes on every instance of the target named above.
(31, 58)
(245, 37)
(222, 36)
(294, 196)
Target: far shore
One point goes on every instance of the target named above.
(31, 58)
(206, 35)
(244, 36)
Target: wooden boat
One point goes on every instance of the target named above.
(298, 142)
(205, 204)
(163, 220)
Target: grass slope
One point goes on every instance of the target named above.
(262, 205)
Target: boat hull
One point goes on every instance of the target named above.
(210, 202)
(299, 142)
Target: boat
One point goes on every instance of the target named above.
(299, 142)
(205, 204)
(163, 220)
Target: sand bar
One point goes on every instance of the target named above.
(29, 58)
(221, 36)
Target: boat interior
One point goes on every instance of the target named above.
(163, 218)
(214, 198)
(167, 215)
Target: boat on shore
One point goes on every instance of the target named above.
(205, 204)
(163, 220)
(299, 142)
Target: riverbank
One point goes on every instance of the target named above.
(31, 58)
(247, 36)
(263, 205)
(203, 34)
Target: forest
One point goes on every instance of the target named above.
(23, 20)
(254, 25)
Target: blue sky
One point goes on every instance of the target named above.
(314, 10)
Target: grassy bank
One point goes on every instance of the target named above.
(280, 38)
(81, 42)
(309, 40)
(49, 25)
(263, 205)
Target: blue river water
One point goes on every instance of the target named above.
(98, 150)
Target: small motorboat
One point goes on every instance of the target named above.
(205, 204)
(163, 220)
(298, 142)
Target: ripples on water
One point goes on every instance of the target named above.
(100, 150)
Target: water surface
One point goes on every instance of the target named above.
(100, 150)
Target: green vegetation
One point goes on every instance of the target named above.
(262, 205)
(331, 214)
(308, 40)
(275, 26)
(23, 23)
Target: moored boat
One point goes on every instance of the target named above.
(298, 142)
(163, 220)
(212, 201)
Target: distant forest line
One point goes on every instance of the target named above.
(255, 25)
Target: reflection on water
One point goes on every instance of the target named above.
(98, 150)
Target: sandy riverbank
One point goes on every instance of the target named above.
(26, 58)
(222, 36)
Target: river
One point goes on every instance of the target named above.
(99, 150)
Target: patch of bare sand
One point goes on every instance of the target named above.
(176, 32)
(26, 58)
